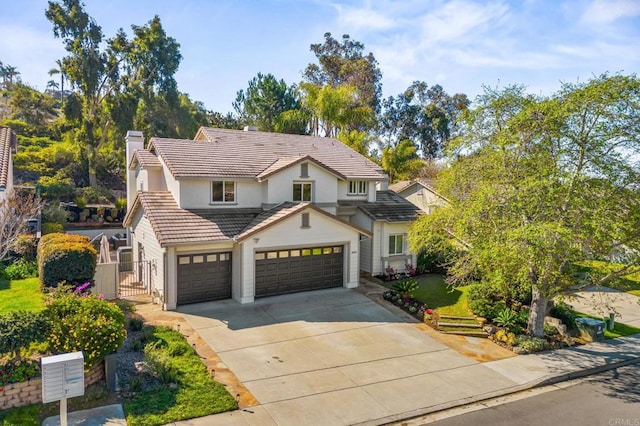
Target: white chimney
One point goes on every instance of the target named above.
(383, 185)
(134, 141)
(250, 129)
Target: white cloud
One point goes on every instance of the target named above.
(363, 18)
(458, 21)
(608, 11)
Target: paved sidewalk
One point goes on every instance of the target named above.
(595, 300)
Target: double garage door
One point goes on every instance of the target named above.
(299, 269)
(203, 277)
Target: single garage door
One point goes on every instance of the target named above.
(203, 277)
(299, 269)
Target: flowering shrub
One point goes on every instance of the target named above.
(84, 323)
(18, 371)
(410, 305)
(65, 258)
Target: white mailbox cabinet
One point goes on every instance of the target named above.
(62, 376)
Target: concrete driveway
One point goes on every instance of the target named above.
(334, 357)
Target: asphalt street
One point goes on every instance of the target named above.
(611, 398)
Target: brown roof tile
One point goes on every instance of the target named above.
(7, 142)
(173, 225)
(146, 159)
(235, 153)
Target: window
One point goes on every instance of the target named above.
(302, 192)
(396, 244)
(305, 220)
(223, 191)
(304, 170)
(358, 187)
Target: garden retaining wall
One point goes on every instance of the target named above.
(30, 392)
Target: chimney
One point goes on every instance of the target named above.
(250, 129)
(383, 185)
(134, 141)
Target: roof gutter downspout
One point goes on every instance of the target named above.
(165, 272)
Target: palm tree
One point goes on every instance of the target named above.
(8, 73)
(54, 71)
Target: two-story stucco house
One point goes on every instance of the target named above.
(8, 144)
(247, 214)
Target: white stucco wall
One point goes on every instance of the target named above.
(196, 194)
(280, 185)
(289, 234)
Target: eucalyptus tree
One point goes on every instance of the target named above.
(344, 63)
(110, 76)
(428, 116)
(537, 184)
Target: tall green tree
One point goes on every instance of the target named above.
(332, 110)
(537, 184)
(345, 63)
(400, 161)
(428, 116)
(101, 70)
(263, 102)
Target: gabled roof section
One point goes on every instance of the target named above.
(175, 226)
(389, 207)
(286, 162)
(146, 159)
(428, 184)
(283, 211)
(221, 153)
(7, 142)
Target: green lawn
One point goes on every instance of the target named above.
(629, 284)
(619, 330)
(435, 293)
(18, 295)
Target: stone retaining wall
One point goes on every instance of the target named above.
(30, 392)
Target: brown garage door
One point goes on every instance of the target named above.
(203, 277)
(299, 269)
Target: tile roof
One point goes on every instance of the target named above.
(389, 207)
(235, 153)
(174, 226)
(282, 211)
(7, 142)
(146, 159)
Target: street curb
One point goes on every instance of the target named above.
(500, 393)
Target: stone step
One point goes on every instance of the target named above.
(457, 324)
(467, 333)
(457, 317)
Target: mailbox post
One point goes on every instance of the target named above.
(62, 378)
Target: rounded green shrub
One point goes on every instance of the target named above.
(65, 258)
(21, 269)
(85, 323)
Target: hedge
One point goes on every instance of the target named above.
(66, 258)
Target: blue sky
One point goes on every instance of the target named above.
(459, 44)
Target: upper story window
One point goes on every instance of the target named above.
(304, 170)
(396, 244)
(302, 191)
(358, 187)
(223, 191)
